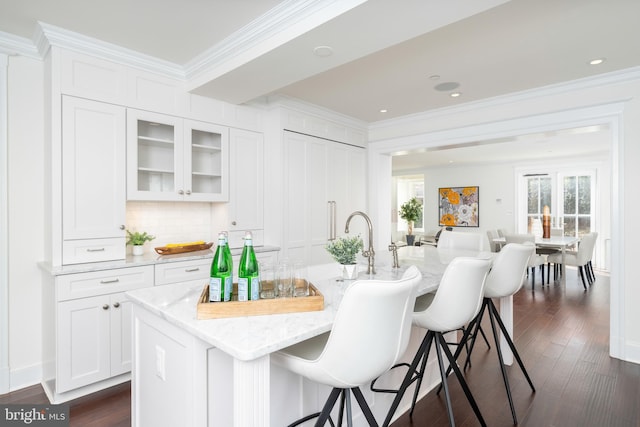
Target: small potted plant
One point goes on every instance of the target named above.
(137, 240)
(344, 251)
(411, 211)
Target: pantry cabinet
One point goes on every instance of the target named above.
(324, 182)
(93, 181)
(175, 159)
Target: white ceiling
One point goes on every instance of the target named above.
(386, 54)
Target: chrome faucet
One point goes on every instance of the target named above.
(394, 250)
(370, 253)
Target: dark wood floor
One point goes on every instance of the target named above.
(562, 335)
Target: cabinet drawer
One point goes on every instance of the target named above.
(183, 271)
(93, 250)
(94, 283)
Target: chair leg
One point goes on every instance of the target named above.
(512, 346)
(328, 406)
(409, 378)
(366, 410)
(584, 282)
(495, 318)
(441, 346)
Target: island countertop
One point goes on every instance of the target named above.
(250, 337)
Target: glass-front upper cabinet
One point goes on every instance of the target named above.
(174, 159)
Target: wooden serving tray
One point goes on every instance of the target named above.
(163, 250)
(234, 308)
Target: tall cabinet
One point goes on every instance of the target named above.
(246, 205)
(324, 182)
(93, 181)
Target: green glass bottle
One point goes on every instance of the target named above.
(248, 274)
(220, 282)
(227, 254)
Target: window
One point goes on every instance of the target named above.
(569, 197)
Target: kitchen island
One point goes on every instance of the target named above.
(218, 372)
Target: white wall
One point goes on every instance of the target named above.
(613, 99)
(25, 217)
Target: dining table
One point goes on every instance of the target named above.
(561, 243)
(218, 371)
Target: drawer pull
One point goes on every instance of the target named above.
(95, 250)
(191, 270)
(105, 281)
(105, 307)
(116, 304)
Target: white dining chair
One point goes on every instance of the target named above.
(369, 334)
(581, 258)
(491, 236)
(458, 240)
(455, 303)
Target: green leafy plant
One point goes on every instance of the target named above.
(411, 211)
(137, 239)
(345, 249)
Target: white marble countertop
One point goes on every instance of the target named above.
(250, 337)
(150, 257)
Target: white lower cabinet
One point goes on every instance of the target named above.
(93, 317)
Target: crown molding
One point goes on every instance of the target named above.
(295, 104)
(285, 21)
(14, 45)
(56, 36)
(606, 79)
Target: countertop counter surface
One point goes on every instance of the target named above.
(149, 258)
(250, 337)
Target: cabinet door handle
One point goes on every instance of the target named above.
(122, 227)
(233, 223)
(95, 250)
(188, 192)
(116, 304)
(105, 307)
(104, 281)
(191, 270)
(331, 213)
(180, 192)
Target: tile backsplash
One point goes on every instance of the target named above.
(174, 222)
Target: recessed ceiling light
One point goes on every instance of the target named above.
(596, 61)
(323, 51)
(446, 86)
(455, 94)
(384, 110)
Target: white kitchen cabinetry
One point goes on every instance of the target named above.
(246, 201)
(93, 181)
(187, 272)
(321, 177)
(173, 159)
(93, 332)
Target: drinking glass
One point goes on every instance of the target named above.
(300, 282)
(284, 280)
(267, 281)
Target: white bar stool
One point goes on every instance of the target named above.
(456, 302)
(370, 333)
(505, 278)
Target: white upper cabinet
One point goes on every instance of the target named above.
(246, 203)
(169, 158)
(93, 181)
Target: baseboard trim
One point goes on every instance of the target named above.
(25, 377)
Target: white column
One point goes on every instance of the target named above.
(4, 228)
(251, 392)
